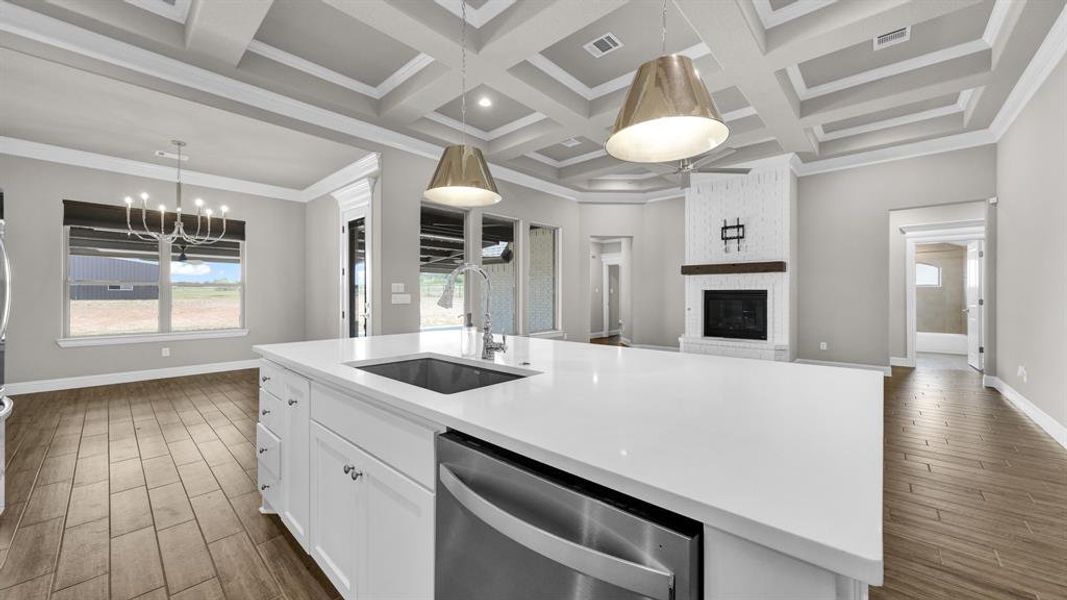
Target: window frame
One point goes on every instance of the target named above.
(164, 331)
(927, 285)
(468, 253)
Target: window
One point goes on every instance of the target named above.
(498, 259)
(442, 242)
(116, 285)
(927, 275)
(542, 296)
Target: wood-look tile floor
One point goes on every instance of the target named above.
(975, 493)
(145, 490)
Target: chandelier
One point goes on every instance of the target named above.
(178, 235)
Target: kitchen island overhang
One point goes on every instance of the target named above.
(783, 455)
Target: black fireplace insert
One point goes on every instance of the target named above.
(738, 314)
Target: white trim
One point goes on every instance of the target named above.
(932, 58)
(354, 195)
(900, 361)
(997, 18)
(961, 141)
(548, 335)
(405, 72)
(477, 16)
(332, 183)
(959, 106)
(486, 136)
(941, 343)
(83, 381)
(772, 18)
(355, 201)
(1057, 430)
(656, 347)
(592, 93)
(559, 164)
(886, 370)
(946, 230)
(177, 12)
(103, 162)
(1046, 58)
(145, 338)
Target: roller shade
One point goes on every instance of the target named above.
(107, 216)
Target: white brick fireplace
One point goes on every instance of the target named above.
(765, 202)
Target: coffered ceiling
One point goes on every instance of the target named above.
(789, 76)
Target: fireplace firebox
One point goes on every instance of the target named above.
(738, 314)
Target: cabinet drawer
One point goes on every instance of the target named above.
(271, 414)
(270, 377)
(403, 444)
(269, 448)
(270, 488)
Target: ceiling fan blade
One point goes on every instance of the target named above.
(725, 171)
(711, 156)
(662, 168)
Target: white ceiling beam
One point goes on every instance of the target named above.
(727, 29)
(223, 30)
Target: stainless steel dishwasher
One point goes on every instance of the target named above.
(510, 528)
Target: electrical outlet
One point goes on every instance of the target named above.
(164, 352)
(1021, 373)
(824, 346)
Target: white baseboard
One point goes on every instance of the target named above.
(626, 341)
(887, 371)
(598, 334)
(1038, 416)
(901, 361)
(941, 343)
(67, 383)
(655, 347)
(615, 332)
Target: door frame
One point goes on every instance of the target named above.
(355, 202)
(949, 231)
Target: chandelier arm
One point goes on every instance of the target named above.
(132, 231)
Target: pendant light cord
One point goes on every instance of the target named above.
(663, 34)
(463, 70)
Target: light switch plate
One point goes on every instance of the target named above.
(398, 288)
(401, 298)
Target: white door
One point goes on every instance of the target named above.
(973, 301)
(395, 534)
(334, 539)
(296, 510)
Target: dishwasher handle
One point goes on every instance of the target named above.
(631, 576)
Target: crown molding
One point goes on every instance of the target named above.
(1046, 58)
(354, 194)
(772, 18)
(486, 136)
(960, 105)
(401, 75)
(177, 11)
(355, 172)
(102, 162)
(949, 143)
(477, 17)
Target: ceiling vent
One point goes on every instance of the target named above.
(898, 36)
(603, 45)
(570, 142)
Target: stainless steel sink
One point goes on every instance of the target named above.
(439, 375)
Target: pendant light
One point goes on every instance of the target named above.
(462, 177)
(668, 114)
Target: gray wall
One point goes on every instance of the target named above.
(322, 266)
(898, 300)
(939, 309)
(33, 195)
(1031, 246)
(843, 250)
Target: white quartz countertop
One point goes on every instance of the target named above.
(786, 455)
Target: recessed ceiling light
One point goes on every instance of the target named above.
(485, 102)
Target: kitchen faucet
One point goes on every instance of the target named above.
(489, 345)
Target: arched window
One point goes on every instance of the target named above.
(927, 275)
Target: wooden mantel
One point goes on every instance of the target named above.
(775, 266)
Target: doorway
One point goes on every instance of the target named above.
(357, 278)
(610, 321)
(945, 295)
(356, 259)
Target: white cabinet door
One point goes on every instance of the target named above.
(296, 505)
(334, 539)
(395, 529)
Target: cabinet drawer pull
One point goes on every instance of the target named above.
(356, 475)
(263, 487)
(292, 402)
(262, 450)
(348, 469)
(264, 412)
(265, 378)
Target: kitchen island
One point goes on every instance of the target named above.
(781, 462)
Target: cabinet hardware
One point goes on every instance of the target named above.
(264, 412)
(292, 402)
(356, 475)
(265, 378)
(263, 487)
(262, 450)
(348, 469)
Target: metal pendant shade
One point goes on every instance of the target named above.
(668, 115)
(462, 178)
